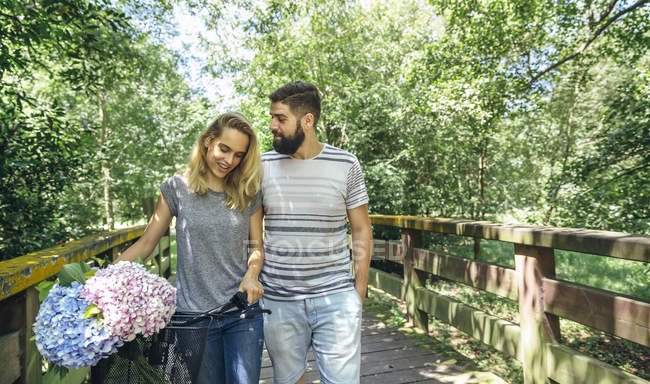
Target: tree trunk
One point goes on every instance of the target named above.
(106, 170)
(481, 177)
(567, 150)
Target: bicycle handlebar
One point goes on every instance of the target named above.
(237, 302)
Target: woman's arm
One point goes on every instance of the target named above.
(156, 228)
(250, 283)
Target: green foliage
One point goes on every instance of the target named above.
(55, 373)
(529, 111)
(94, 116)
(39, 144)
(43, 289)
(73, 272)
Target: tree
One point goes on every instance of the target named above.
(38, 141)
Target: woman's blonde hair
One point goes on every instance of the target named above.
(243, 182)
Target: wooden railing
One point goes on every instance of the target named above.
(542, 298)
(19, 298)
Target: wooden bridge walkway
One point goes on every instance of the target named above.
(389, 356)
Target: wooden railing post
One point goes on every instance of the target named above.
(532, 264)
(19, 313)
(413, 278)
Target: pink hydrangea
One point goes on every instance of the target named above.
(132, 300)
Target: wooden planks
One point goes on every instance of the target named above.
(390, 356)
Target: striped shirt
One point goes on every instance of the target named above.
(306, 251)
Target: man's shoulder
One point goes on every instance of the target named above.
(273, 156)
(334, 153)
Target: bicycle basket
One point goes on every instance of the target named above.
(172, 356)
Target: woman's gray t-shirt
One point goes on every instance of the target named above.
(211, 245)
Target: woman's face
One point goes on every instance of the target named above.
(226, 152)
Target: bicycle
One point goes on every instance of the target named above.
(174, 354)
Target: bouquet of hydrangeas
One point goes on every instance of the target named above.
(88, 314)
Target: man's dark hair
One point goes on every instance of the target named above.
(302, 98)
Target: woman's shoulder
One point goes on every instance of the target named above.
(176, 182)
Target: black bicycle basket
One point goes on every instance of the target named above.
(173, 355)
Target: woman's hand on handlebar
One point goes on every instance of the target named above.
(252, 287)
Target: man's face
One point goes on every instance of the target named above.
(288, 134)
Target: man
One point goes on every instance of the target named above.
(309, 190)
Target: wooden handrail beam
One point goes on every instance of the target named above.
(604, 243)
(20, 273)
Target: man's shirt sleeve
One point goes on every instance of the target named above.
(356, 194)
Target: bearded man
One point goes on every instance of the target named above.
(310, 190)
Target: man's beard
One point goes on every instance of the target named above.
(289, 145)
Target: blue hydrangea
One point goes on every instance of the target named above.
(64, 336)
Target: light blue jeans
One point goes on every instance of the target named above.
(330, 324)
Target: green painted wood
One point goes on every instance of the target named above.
(563, 364)
(491, 330)
(605, 243)
(567, 366)
(618, 315)
(386, 282)
(500, 334)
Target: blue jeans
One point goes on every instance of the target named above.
(233, 352)
(330, 324)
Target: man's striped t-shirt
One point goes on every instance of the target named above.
(306, 251)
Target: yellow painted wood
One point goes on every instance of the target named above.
(605, 243)
(22, 272)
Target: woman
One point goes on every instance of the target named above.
(217, 204)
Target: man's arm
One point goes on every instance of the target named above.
(361, 247)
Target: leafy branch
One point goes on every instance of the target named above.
(591, 38)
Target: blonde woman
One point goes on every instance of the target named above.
(217, 204)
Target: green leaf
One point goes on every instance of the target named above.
(84, 267)
(92, 310)
(53, 371)
(99, 261)
(43, 289)
(71, 272)
(90, 273)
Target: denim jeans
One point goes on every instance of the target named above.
(233, 351)
(330, 324)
